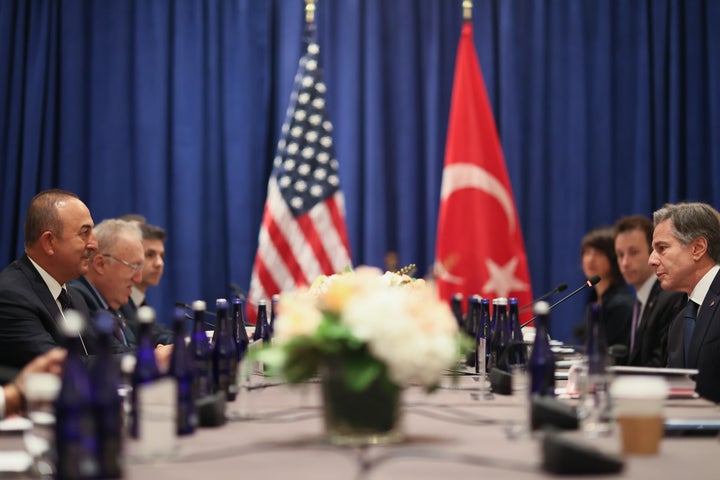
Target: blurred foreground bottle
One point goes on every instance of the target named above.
(107, 404)
(483, 352)
(472, 327)
(542, 363)
(456, 307)
(182, 368)
(74, 423)
(262, 329)
(146, 368)
(224, 354)
(238, 328)
(518, 350)
(200, 352)
(501, 337)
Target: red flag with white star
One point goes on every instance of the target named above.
(480, 247)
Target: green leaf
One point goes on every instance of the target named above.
(361, 370)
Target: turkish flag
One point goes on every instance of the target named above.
(480, 247)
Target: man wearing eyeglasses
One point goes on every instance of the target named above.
(114, 269)
(58, 240)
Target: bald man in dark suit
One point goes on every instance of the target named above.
(59, 239)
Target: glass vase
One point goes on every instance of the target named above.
(368, 417)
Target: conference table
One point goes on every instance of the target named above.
(459, 431)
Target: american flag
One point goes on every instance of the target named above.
(303, 231)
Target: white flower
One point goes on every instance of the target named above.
(297, 315)
(409, 330)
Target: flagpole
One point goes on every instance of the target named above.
(467, 6)
(309, 11)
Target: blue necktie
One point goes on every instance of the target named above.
(690, 316)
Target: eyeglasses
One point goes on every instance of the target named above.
(132, 266)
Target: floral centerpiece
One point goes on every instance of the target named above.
(368, 334)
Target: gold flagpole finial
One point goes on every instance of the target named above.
(467, 10)
(309, 11)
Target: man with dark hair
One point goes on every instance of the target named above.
(59, 240)
(153, 240)
(686, 258)
(654, 308)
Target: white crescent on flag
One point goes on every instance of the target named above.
(468, 175)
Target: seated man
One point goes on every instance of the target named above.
(59, 240)
(654, 308)
(686, 258)
(114, 269)
(153, 239)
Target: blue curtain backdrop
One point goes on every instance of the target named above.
(172, 109)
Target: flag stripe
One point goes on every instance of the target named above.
(285, 252)
(313, 239)
(292, 233)
(338, 220)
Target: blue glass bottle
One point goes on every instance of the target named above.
(74, 423)
(224, 354)
(262, 322)
(238, 327)
(518, 353)
(146, 368)
(456, 307)
(500, 338)
(182, 368)
(483, 337)
(472, 327)
(200, 352)
(107, 404)
(542, 363)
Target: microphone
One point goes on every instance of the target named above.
(238, 292)
(592, 281)
(187, 315)
(560, 288)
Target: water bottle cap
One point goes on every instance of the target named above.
(221, 303)
(501, 301)
(199, 305)
(146, 314)
(541, 308)
(262, 302)
(73, 324)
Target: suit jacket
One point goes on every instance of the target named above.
(617, 308)
(160, 334)
(81, 286)
(650, 348)
(704, 351)
(28, 313)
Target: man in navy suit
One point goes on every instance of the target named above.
(59, 239)
(114, 269)
(654, 308)
(153, 240)
(686, 257)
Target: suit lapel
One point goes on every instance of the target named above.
(704, 318)
(43, 293)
